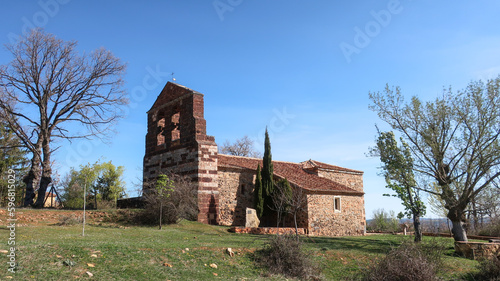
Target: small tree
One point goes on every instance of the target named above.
(103, 180)
(384, 221)
(170, 198)
(298, 203)
(110, 183)
(288, 200)
(281, 196)
(398, 172)
(164, 188)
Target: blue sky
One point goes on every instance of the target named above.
(304, 69)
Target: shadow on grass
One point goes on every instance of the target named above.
(365, 244)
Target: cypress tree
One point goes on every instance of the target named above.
(259, 200)
(267, 175)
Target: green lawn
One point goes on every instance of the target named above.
(182, 252)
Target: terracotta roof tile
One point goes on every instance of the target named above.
(294, 172)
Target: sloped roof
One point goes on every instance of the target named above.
(171, 92)
(293, 172)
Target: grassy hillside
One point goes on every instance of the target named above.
(46, 251)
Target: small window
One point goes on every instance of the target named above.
(336, 204)
(243, 189)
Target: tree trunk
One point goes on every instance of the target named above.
(295, 222)
(46, 174)
(32, 179)
(161, 212)
(44, 183)
(457, 218)
(418, 228)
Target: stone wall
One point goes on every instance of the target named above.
(352, 180)
(236, 188)
(324, 220)
(478, 250)
(267, 230)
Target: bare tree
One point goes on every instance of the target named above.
(49, 91)
(170, 198)
(280, 198)
(288, 200)
(298, 204)
(455, 141)
(241, 147)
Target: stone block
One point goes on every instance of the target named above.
(251, 219)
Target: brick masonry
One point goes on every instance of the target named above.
(176, 142)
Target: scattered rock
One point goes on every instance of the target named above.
(213, 265)
(230, 252)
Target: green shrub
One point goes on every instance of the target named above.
(383, 222)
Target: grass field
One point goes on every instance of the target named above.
(109, 251)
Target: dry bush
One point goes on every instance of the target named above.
(69, 220)
(489, 270)
(181, 203)
(285, 255)
(410, 261)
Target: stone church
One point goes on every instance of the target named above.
(177, 142)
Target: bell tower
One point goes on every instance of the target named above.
(177, 142)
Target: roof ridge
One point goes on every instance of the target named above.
(182, 86)
(247, 157)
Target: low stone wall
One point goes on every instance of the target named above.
(267, 230)
(477, 250)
